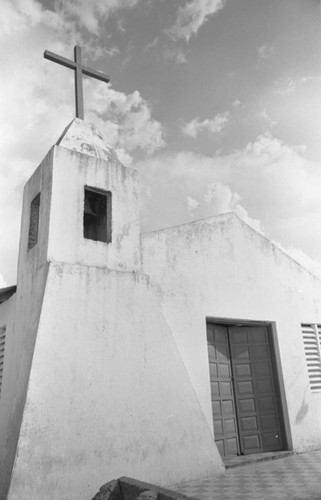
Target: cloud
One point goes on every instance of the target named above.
(268, 183)
(214, 126)
(13, 20)
(175, 54)
(218, 198)
(124, 119)
(92, 14)
(120, 26)
(37, 102)
(166, 52)
(192, 16)
(152, 44)
(3, 283)
(264, 114)
(192, 204)
(264, 52)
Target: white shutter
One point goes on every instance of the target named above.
(312, 347)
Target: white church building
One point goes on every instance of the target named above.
(157, 356)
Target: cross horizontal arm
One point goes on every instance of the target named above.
(60, 60)
(79, 71)
(95, 74)
(73, 65)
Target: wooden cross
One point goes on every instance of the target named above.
(79, 69)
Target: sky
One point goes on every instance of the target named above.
(217, 104)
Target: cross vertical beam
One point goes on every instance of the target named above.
(78, 84)
(79, 69)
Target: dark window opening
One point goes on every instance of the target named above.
(97, 215)
(34, 222)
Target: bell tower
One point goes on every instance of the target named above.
(81, 206)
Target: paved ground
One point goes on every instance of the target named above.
(294, 477)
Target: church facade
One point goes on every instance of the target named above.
(157, 356)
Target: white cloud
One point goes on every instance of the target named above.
(18, 15)
(124, 119)
(264, 52)
(192, 16)
(264, 114)
(3, 283)
(267, 183)
(286, 87)
(214, 126)
(192, 204)
(92, 14)
(120, 26)
(219, 198)
(152, 44)
(175, 54)
(169, 53)
(37, 102)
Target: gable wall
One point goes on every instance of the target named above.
(221, 268)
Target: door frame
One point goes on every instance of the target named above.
(276, 366)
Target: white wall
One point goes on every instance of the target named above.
(108, 392)
(8, 436)
(119, 378)
(26, 306)
(74, 170)
(221, 268)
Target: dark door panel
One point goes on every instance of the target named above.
(256, 402)
(244, 402)
(223, 401)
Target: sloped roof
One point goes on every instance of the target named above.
(85, 138)
(6, 293)
(224, 218)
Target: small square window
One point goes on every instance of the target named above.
(34, 222)
(97, 215)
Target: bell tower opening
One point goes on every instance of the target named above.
(34, 222)
(97, 215)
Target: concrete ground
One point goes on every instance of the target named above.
(294, 477)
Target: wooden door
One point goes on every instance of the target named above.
(244, 402)
(223, 401)
(255, 394)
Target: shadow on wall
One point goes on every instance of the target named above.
(303, 408)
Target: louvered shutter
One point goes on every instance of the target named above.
(2, 343)
(312, 347)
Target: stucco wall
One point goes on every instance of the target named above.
(118, 362)
(65, 173)
(32, 271)
(221, 268)
(7, 447)
(72, 172)
(108, 393)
